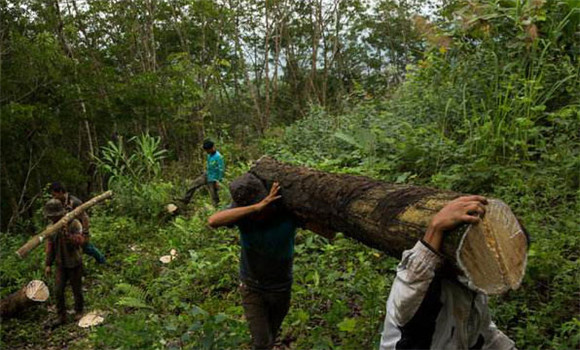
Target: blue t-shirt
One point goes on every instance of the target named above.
(267, 252)
(215, 167)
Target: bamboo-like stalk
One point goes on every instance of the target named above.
(51, 230)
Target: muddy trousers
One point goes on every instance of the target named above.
(64, 275)
(265, 312)
(200, 181)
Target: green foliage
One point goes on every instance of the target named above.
(133, 297)
(489, 105)
(135, 175)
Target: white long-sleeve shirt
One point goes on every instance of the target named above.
(428, 311)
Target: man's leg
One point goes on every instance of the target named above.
(256, 313)
(213, 193)
(60, 279)
(197, 183)
(278, 306)
(76, 282)
(91, 250)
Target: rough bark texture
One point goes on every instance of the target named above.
(392, 217)
(51, 230)
(31, 294)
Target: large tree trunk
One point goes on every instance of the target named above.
(53, 229)
(34, 292)
(392, 217)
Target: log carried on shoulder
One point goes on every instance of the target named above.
(51, 230)
(32, 293)
(392, 217)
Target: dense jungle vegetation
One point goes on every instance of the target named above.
(479, 96)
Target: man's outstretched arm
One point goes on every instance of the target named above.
(231, 216)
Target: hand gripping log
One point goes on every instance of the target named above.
(392, 217)
(51, 230)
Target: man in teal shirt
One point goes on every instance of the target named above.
(213, 175)
(267, 238)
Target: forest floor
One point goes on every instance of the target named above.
(193, 302)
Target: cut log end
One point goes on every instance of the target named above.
(171, 208)
(493, 253)
(16, 303)
(37, 291)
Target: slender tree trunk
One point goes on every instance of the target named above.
(266, 115)
(53, 229)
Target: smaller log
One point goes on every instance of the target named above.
(53, 229)
(34, 292)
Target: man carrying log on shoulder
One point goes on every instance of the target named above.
(70, 202)
(267, 238)
(428, 307)
(65, 248)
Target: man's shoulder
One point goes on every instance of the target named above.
(75, 201)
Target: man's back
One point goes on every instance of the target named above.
(215, 167)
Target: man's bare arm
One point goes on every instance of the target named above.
(467, 209)
(231, 216)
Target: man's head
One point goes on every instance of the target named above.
(57, 190)
(247, 190)
(209, 146)
(54, 210)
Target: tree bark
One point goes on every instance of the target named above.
(53, 229)
(392, 217)
(34, 292)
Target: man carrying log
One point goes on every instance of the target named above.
(428, 307)
(211, 178)
(64, 248)
(70, 202)
(267, 239)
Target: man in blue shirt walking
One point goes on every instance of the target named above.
(213, 175)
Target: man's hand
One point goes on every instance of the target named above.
(468, 209)
(47, 271)
(272, 196)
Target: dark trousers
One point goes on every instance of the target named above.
(200, 181)
(265, 312)
(75, 276)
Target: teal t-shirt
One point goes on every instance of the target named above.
(215, 167)
(267, 252)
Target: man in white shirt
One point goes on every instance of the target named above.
(428, 307)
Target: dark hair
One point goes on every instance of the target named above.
(57, 187)
(207, 144)
(247, 189)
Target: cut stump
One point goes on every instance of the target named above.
(31, 294)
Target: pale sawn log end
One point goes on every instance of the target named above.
(493, 253)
